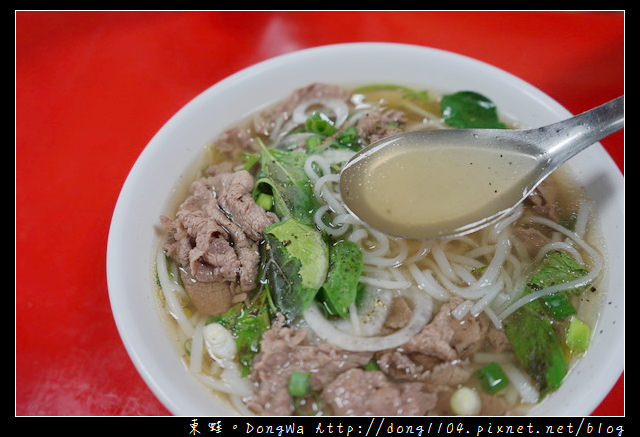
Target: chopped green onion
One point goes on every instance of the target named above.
(479, 270)
(265, 201)
(320, 124)
(578, 336)
(299, 383)
(349, 138)
(492, 378)
(371, 365)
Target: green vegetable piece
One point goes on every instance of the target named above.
(492, 378)
(536, 347)
(307, 245)
(265, 201)
(312, 143)
(250, 159)
(350, 139)
(569, 222)
(578, 336)
(283, 176)
(299, 383)
(469, 109)
(557, 268)
(295, 261)
(247, 324)
(248, 332)
(558, 306)
(530, 329)
(372, 365)
(345, 268)
(320, 124)
(228, 318)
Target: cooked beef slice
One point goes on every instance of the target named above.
(214, 239)
(284, 349)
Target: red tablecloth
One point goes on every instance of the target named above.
(92, 88)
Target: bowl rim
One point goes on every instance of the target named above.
(129, 331)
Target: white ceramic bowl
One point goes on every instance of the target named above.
(180, 141)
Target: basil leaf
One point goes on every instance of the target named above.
(345, 268)
(532, 332)
(282, 175)
(294, 264)
(469, 109)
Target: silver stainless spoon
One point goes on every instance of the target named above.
(424, 185)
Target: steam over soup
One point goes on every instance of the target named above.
(286, 304)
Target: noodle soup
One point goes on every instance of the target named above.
(286, 304)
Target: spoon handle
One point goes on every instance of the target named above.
(581, 131)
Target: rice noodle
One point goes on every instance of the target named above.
(559, 245)
(170, 289)
(461, 310)
(327, 331)
(501, 225)
(229, 382)
(582, 218)
(385, 283)
(197, 348)
(527, 391)
(427, 282)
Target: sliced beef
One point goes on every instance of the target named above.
(497, 340)
(532, 239)
(284, 349)
(357, 392)
(448, 374)
(380, 123)
(416, 378)
(214, 239)
(439, 356)
(399, 314)
(240, 139)
(235, 201)
(544, 199)
(265, 121)
(235, 141)
(444, 339)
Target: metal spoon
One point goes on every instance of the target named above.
(545, 147)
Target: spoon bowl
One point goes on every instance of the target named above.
(443, 183)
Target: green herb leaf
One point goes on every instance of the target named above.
(530, 329)
(282, 175)
(345, 267)
(247, 322)
(248, 331)
(469, 109)
(294, 264)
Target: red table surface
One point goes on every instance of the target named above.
(92, 88)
